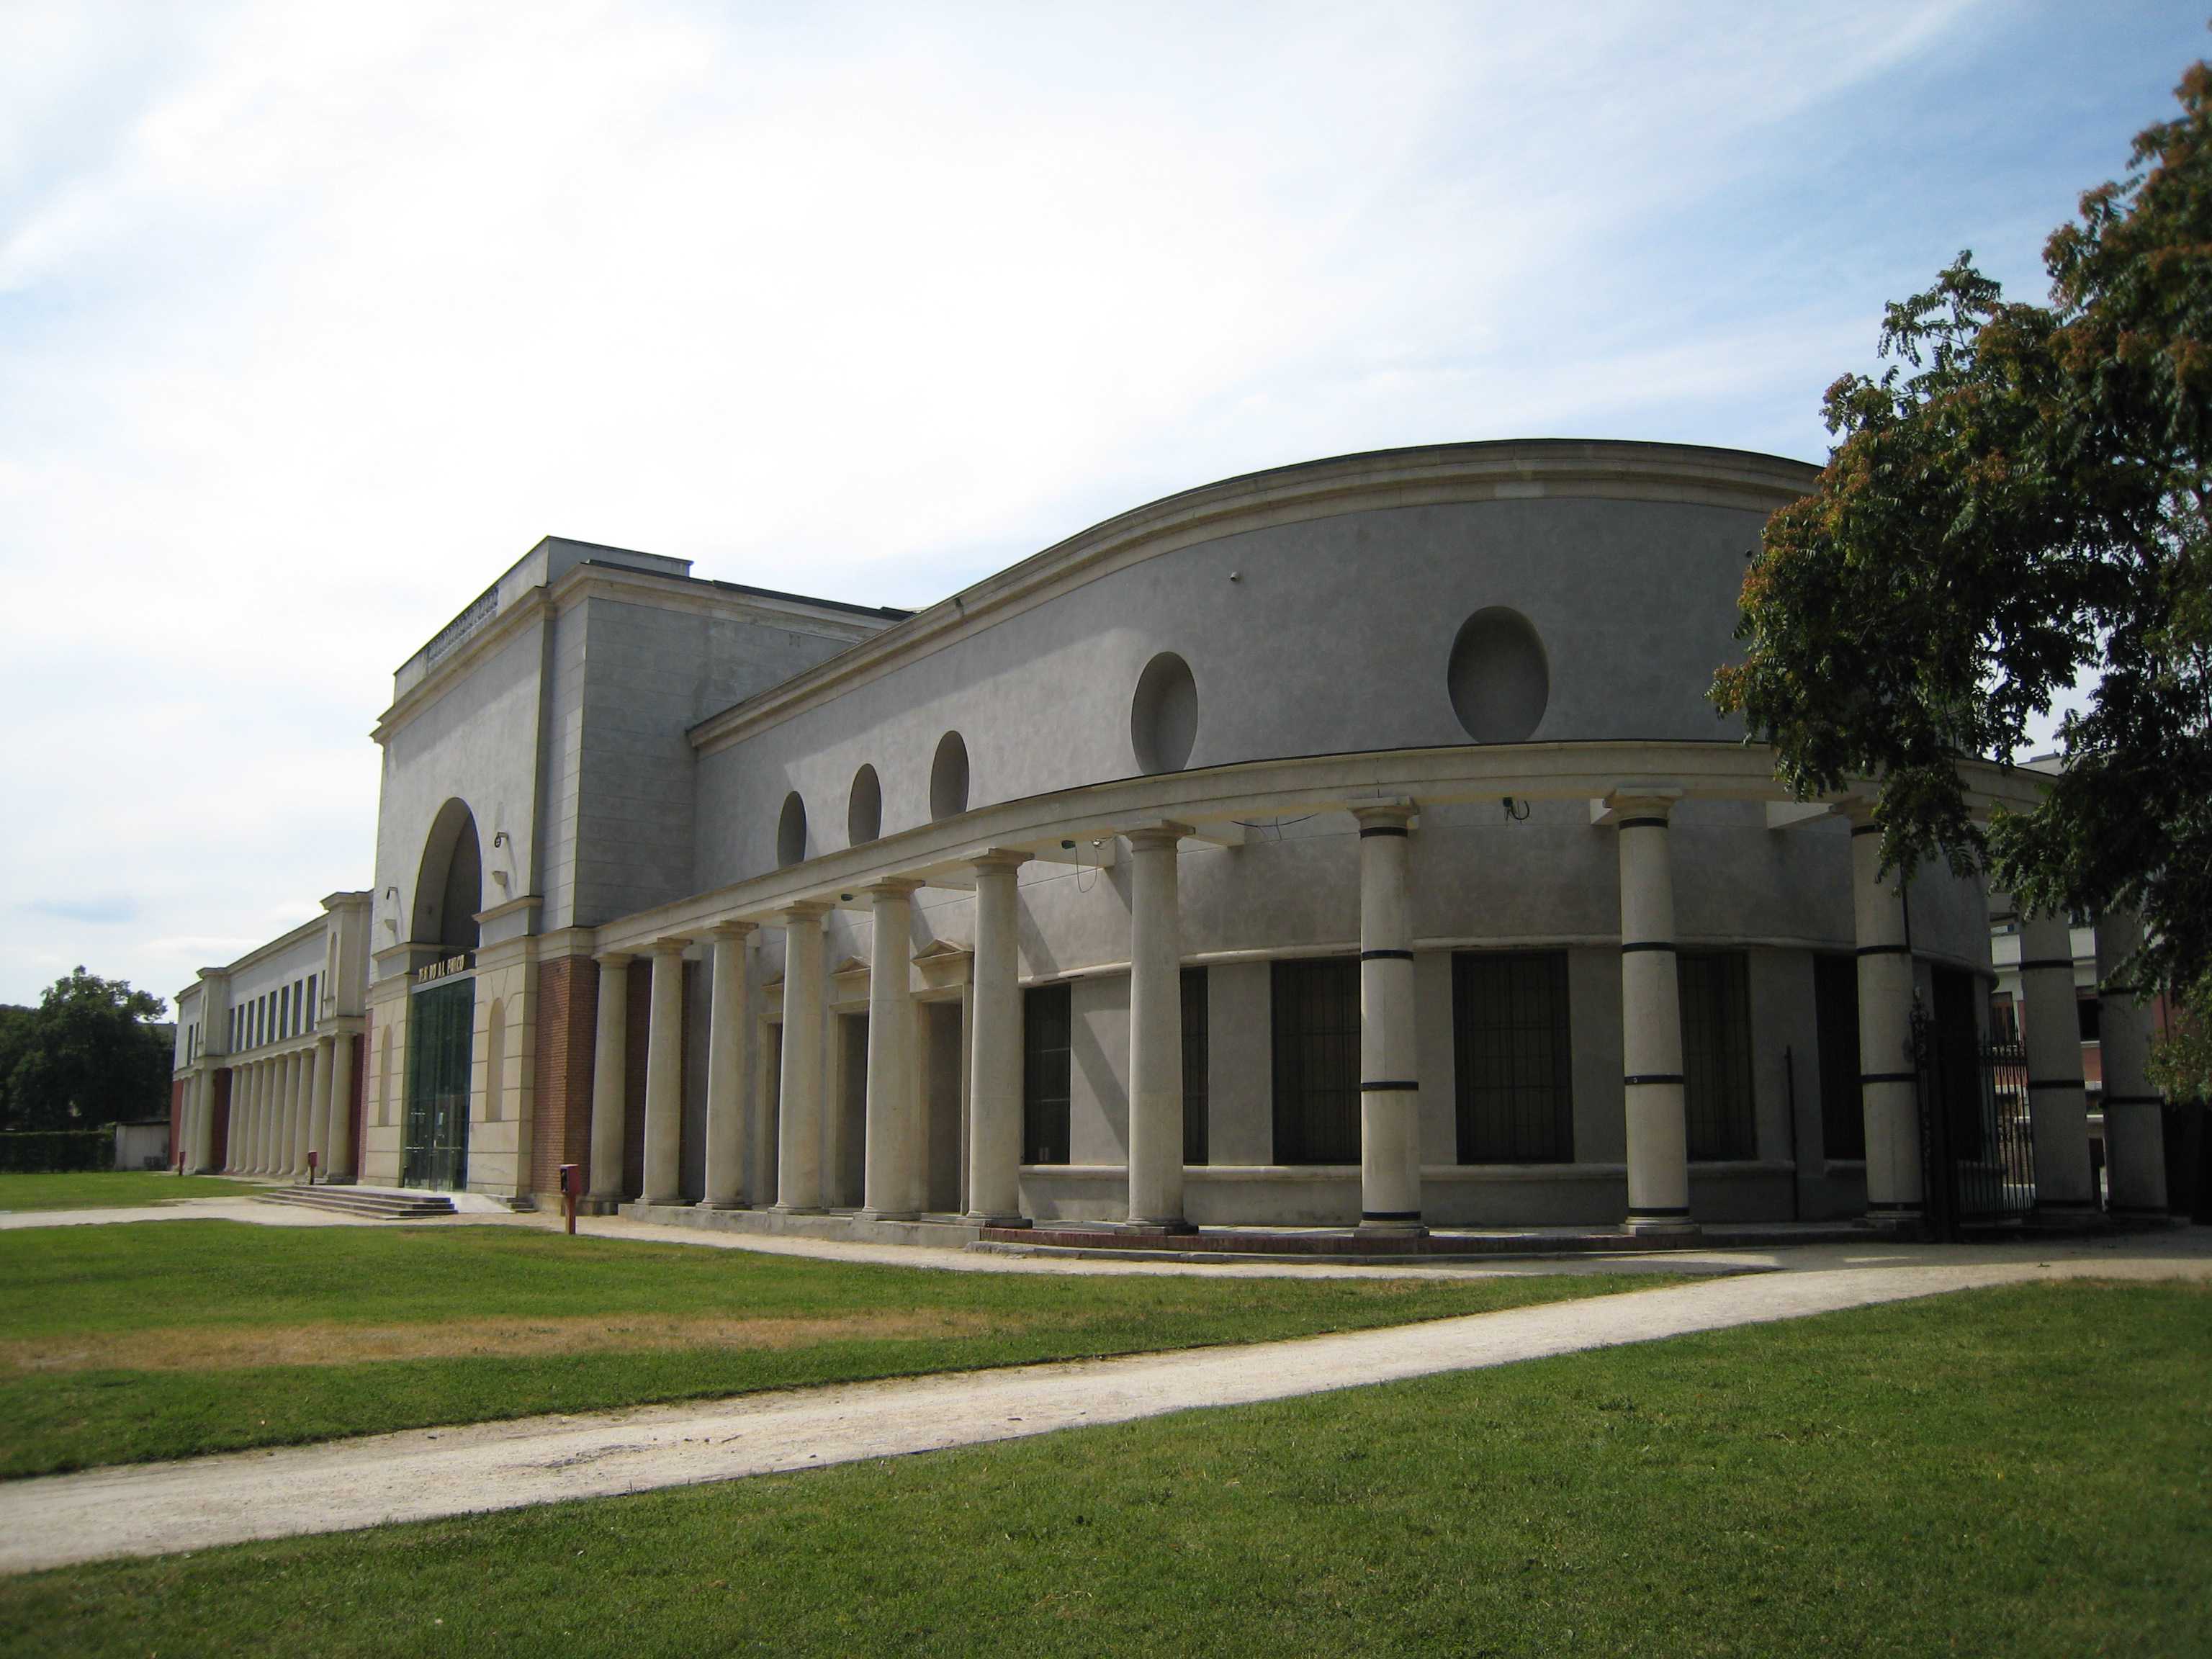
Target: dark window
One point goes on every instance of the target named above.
(1835, 1018)
(2085, 1011)
(1316, 1051)
(1716, 989)
(2004, 1017)
(1045, 1042)
(1195, 1063)
(311, 1001)
(1512, 1055)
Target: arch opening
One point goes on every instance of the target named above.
(449, 885)
(1498, 678)
(1164, 714)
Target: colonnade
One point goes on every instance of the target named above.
(282, 1107)
(1652, 1083)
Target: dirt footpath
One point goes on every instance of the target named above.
(423, 1474)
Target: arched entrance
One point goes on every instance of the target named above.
(441, 1007)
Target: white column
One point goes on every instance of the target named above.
(664, 1077)
(1155, 1031)
(202, 1098)
(298, 1082)
(995, 1068)
(1889, 1083)
(2057, 1101)
(610, 1078)
(341, 1153)
(727, 1077)
(245, 1148)
(264, 1118)
(319, 1108)
(1651, 1024)
(892, 1188)
(798, 1130)
(2135, 1124)
(1390, 1091)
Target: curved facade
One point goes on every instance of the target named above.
(1348, 844)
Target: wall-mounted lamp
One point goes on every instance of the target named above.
(1516, 811)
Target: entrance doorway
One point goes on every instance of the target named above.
(434, 1141)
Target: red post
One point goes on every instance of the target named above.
(568, 1183)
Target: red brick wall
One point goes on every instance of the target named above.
(641, 1040)
(560, 1072)
(360, 1126)
(220, 1095)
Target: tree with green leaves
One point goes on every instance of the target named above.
(2021, 505)
(89, 1054)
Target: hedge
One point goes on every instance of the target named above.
(52, 1149)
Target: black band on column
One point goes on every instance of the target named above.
(1388, 1086)
(1885, 950)
(1641, 824)
(1637, 1210)
(1385, 956)
(2134, 1100)
(2035, 965)
(1367, 830)
(1889, 1077)
(2035, 1083)
(1647, 944)
(1389, 1215)
(1866, 829)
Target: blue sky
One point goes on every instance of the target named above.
(314, 318)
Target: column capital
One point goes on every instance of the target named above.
(1383, 816)
(673, 946)
(1163, 834)
(999, 858)
(801, 913)
(738, 931)
(1636, 805)
(1859, 809)
(894, 887)
(613, 958)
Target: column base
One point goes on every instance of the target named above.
(1174, 1225)
(597, 1204)
(1660, 1223)
(798, 1209)
(720, 1204)
(975, 1218)
(1393, 1226)
(886, 1215)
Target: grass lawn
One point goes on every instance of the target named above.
(2020, 1472)
(109, 1189)
(128, 1343)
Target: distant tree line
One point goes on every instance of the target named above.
(87, 1055)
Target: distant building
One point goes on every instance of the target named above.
(1352, 843)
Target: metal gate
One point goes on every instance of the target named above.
(1978, 1150)
(440, 1023)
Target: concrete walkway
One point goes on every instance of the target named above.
(424, 1474)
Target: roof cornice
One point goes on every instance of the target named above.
(1439, 474)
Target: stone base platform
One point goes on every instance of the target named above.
(844, 1226)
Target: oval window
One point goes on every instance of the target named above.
(948, 777)
(864, 811)
(791, 831)
(1498, 678)
(1164, 714)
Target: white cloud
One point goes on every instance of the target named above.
(312, 318)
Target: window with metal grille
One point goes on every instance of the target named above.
(1512, 1057)
(1716, 988)
(1835, 1018)
(1045, 1031)
(1195, 1060)
(1315, 1005)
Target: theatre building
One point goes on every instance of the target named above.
(1352, 844)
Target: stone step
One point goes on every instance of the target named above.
(370, 1202)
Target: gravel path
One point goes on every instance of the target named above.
(421, 1473)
